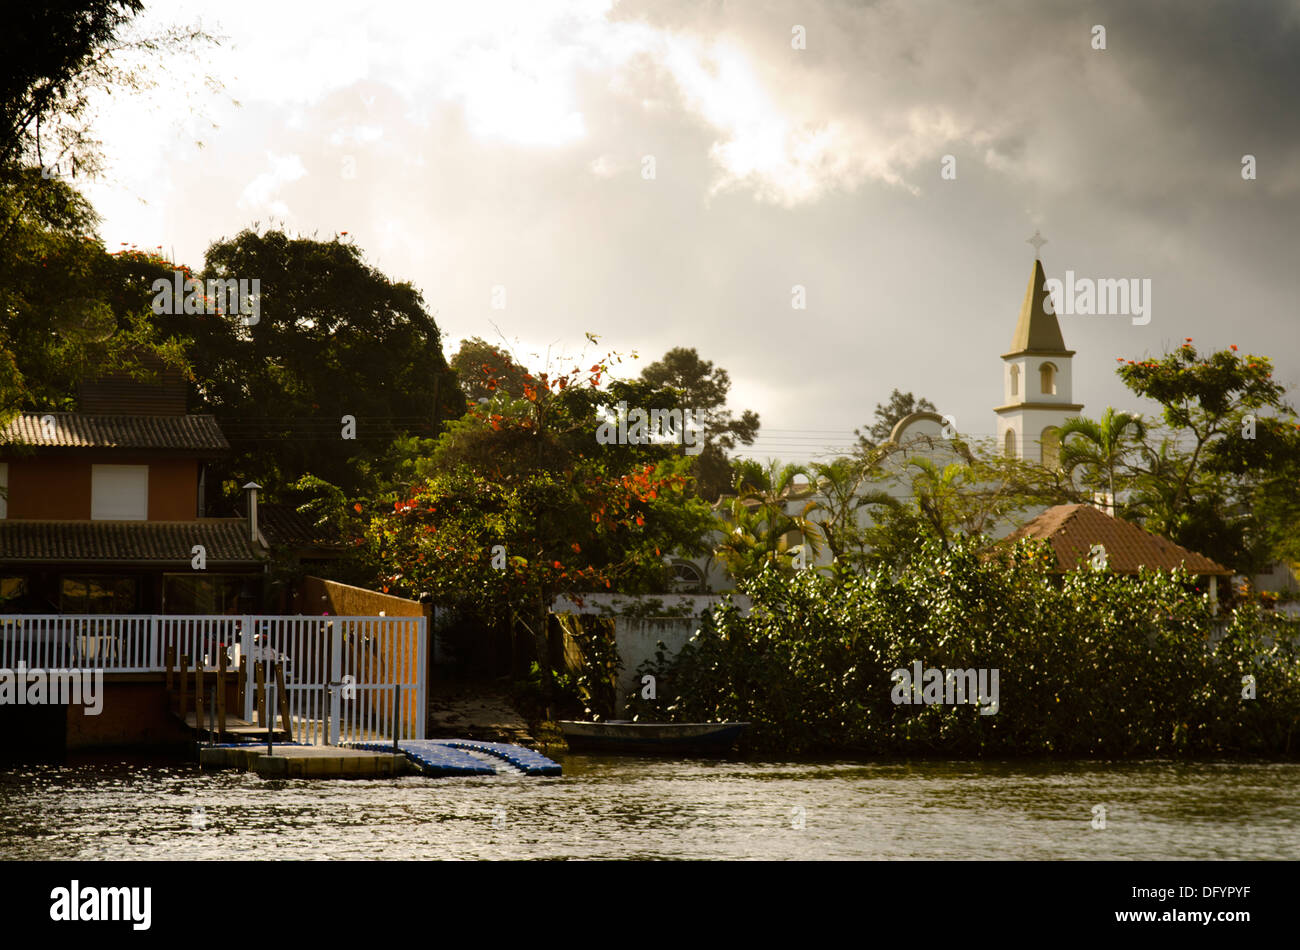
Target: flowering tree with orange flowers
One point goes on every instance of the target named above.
(524, 505)
(1221, 475)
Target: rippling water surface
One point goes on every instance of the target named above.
(645, 808)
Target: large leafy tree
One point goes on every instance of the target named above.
(1098, 664)
(68, 309)
(50, 51)
(65, 310)
(340, 362)
(1217, 476)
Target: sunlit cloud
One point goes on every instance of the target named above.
(261, 191)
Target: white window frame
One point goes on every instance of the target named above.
(119, 493)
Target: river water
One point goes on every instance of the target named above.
(659, 809)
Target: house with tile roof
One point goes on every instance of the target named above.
(102, 510)
(1083, 536)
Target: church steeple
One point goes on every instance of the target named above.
(1036, 376)
(1037, 331)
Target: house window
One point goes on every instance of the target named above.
(119, 492)
(687, 577)
(11, 588)
(1009, 443)
(96, 594)
(1015, 380)
(1047, 376)
(205, 594)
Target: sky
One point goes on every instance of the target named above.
(667, 174)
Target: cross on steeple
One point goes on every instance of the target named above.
(1037, 241)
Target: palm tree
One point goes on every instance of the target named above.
(1099, 447)
(841, 497)
(756, 528)
(938, 493)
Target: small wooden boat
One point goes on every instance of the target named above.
(651, 738)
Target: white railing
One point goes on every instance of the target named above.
(341, 673)
(116, 643)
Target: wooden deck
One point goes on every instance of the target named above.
(235, 727)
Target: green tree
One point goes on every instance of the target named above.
(1225, 451)
(49, 52)
(703, 388)
(889, 414)
(340, 362)
(68, 309)
(1098, 664)
(484, 370)
(847, 504)
(962, 494)
(57, 55)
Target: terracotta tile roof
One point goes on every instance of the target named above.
(1072, 530)
(195, 433)
(119, 542)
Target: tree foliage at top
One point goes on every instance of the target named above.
(1220, 475)
(703, 388)
(49, 51)
(888, 414)
(483, 370)
(334, 338)
(68, 309)
(58, 55)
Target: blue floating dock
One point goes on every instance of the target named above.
(450, 756)
(521, 757)
(433, 758)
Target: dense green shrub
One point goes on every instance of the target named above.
(1090, 664)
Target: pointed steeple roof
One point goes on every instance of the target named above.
(1037, 330)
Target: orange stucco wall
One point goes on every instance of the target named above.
(319, 596)
(173, 490)
(58, 489)
(51, 489)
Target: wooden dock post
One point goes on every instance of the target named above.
(185, 686)
(169, 659)
(221, 693)
(397, 692)
(243, 681)
(282, 697)
(259, 685)
(198, 696)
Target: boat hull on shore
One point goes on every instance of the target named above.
(651, 738)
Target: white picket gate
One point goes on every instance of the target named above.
(341, 673)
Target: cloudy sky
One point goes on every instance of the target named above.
(664, 174)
